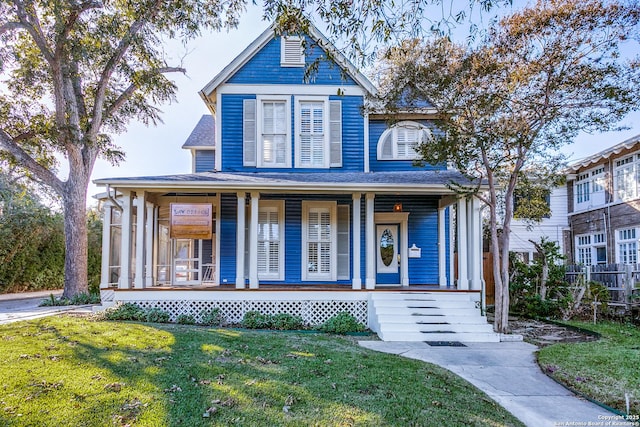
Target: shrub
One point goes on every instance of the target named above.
(127, 311)
(286, 321)
(186, 319)
(82, 298)
(342, 323)
(256, 320)
(212, 317)
(156, 315)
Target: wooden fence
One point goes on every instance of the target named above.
(621, 280)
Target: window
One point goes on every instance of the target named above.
(271, 240)
(319, 232)
(627, 246)
(291, 52)
(400, 142)
(590, 248)
(582, 188)
(318, 133)
(583, 249)
(266, 132)
(589, 188)
(627, 176)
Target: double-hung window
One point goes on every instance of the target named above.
(627, 246)
(318, 132)
(319, 236)
(627, 177)
(266, 132)
(271, 240)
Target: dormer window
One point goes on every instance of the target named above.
(400, 142)
(292, 52)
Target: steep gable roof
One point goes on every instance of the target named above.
(267, 36)
(203, 135)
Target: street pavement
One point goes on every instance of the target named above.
(26, 306)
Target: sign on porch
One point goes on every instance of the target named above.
(191, 221)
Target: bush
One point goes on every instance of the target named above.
(186, 319)
(127, 311)
(212, 317)
(256, 320)
(156, 315)
(82, 298)
(342, 323)
(286, 322)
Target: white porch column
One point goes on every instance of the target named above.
(356, 227)
(106, 246)
(475, 244)
(370, 241)
(452, 255)
(240, 284)
(442, 248)
(404, 254)
(149, 242)
(253, 242)
(125, 242)
(461, 221)
(140, 238)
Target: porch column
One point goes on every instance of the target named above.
(240, 284)
(125, 242)
(253, 242)
(370, 241)
(106, 246)
(475, 244)
(404, 255)
(356, 226)
(461, 221)
(452, 255)
(149, 240)
(442, 248)
(140, 247)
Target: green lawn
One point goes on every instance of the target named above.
(81, 372)
(605, 369)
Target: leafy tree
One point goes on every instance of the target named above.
(76, 72)
(505, 106)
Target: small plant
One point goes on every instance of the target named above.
(156, 315)
(342, 323)
(256, 320)
(212, 317)
(78, 299)
(286, 322)
(126, 311)
(185, 319)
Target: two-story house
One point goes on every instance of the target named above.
(300, 201)
(604, 206)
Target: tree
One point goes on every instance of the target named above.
(540, 77)
(76, 72)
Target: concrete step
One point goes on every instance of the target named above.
(406, 311)
(434, 319)
(425, 303)
(431, 328)
(443, 336)
(439, 296)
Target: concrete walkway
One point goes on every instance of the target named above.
(509, 374)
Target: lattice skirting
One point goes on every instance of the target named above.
(313, 312)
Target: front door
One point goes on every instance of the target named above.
(388, 257)
(186, 261)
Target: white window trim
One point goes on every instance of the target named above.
(593, 246)
(635, 165)
(283, 57)
(591, 178)
(279, 206)
(325, 125)
(393, 130)
(259, 125)
(620, 241)
(333, 219)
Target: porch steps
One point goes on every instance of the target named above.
(429, 316)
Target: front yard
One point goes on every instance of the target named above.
(73, 371)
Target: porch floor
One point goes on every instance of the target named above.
(299, 287)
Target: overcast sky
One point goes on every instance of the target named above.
(156, 150)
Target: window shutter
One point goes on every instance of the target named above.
(344, 255)
(249, 132)
(335, 133)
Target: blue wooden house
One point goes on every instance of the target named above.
(300, 201)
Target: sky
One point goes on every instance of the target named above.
(156, 150)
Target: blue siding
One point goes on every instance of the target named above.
(228, 220)
(376, 129)
(264, 67)
(352, 136)
(205, 160)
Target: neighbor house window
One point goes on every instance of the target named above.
(589, 188)
(401, 141)
(627, 176)
(271, 240)
(266, 134)
(591, 249)
(627, 246)
(319, 236)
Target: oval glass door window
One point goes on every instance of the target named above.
(387, 251)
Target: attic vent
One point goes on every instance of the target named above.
(292, 52)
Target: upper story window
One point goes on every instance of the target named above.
(627, 177)
(400, 141)
(266, 132)
(291, 52)
(589, 188)
(318, 132)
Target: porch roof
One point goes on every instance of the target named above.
(425, 182)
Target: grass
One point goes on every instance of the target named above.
(72, 371)
(605, 369)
